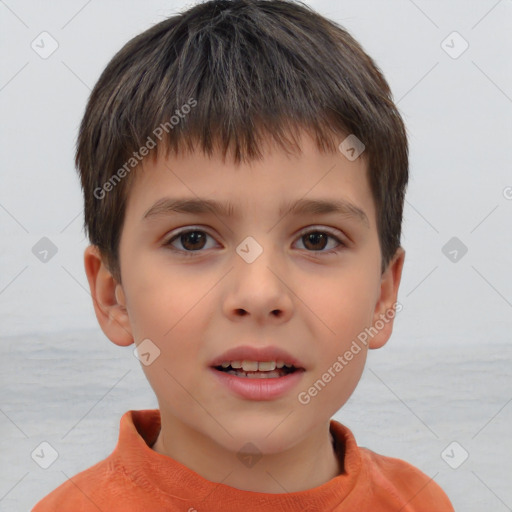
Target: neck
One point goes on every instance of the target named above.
(308, 464)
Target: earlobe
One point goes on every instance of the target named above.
(108, 299)
(387, 305)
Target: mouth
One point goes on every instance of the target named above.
(257, 380)
(258, 373)
(256, 369)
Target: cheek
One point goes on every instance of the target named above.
(339, 305)
(169, 319)
(331, 384)
(342, 311)
(168, 307)
(163, 298)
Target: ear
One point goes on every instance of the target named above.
(108, 299)
(387, 305)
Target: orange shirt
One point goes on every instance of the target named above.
(135, 478)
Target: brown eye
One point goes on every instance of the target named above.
(317, 241)
(192, 240)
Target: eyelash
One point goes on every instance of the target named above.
(186, 253)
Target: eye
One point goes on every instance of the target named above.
(317, 240)
(192, 240)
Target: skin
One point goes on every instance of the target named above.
(195, 308)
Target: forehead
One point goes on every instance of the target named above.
(305, 182)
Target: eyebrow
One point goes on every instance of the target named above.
(167, 205)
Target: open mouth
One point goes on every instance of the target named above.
(259, 380)
(274, 373)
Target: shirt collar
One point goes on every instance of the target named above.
(163, 475)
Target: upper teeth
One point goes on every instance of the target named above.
(254, 366)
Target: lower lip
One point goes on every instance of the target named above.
(259, 389)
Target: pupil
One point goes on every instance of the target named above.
(315, 238)
(195, 236)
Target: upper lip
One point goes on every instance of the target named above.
(248, 353)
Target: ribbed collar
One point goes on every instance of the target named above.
(171, 481)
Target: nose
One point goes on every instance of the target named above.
(258, 290)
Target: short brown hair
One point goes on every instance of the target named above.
(251, 69)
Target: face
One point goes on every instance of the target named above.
(199, 284)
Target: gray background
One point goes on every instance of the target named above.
(445, 374)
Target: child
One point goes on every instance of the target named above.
(259, 128)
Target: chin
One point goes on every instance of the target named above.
(268, 435)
